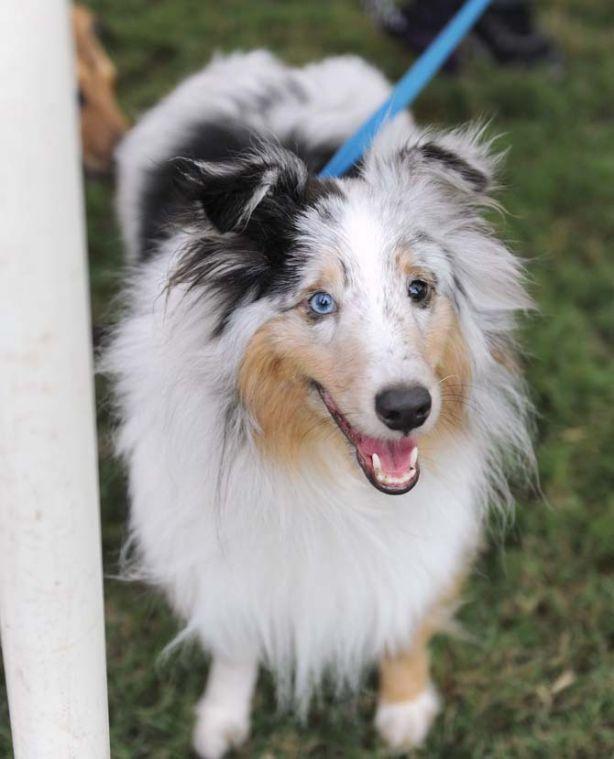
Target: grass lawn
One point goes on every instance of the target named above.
(534, 675)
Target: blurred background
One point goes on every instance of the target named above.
(531, 672)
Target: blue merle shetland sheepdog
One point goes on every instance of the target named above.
(316, 381)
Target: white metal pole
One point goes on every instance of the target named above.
(51, 605)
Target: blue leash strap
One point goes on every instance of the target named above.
(409, 87)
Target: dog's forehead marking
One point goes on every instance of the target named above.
(370, 248)
(364, 242)
(374, 253)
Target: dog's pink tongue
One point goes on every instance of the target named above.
(395, 456)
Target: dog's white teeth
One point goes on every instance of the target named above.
(377, 466)
(413, 458)
(388, 479)
(395, 481)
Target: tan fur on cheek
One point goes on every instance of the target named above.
(274, 387)
(447, 352)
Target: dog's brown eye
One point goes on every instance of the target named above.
(81, 98)
(418, 290)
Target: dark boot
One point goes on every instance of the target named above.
(508, 32)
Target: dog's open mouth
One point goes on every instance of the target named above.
(390, 465)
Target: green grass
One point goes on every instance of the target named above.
(535, 675)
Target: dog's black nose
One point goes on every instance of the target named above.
(403, 407)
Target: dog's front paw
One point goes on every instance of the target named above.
(404, 725)
(218, 730)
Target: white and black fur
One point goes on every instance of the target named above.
(308, 570)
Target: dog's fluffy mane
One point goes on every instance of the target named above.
(222, 213)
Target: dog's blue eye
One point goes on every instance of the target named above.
(322, 303)
(418, 290)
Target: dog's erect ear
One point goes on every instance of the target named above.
(246, 195)
(461, 156)
(476, 179)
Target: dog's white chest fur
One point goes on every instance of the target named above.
(307, 574)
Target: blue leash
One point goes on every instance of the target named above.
(408, 88)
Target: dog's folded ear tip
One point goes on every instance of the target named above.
(231, 191)
(182, 163)
(451, 160)
(464, 156)
(185, 172)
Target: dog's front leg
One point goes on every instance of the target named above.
(223, 712)
(407, 701)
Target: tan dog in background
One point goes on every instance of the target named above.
(102, 121)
